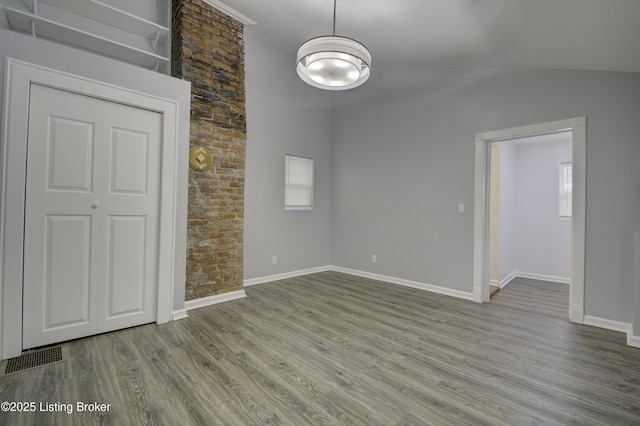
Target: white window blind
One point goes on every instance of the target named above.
(298, 183)
(566, 190)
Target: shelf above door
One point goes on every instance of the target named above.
(39, 26)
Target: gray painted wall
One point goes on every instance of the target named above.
(284, 116)
(402, 163)
(542, 239)
(390, 171)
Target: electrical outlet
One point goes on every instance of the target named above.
(374, 258)
(461, 208)
(274, 260)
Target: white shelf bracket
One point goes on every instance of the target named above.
(154, 42)
(33, 23)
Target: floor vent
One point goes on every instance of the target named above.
(34, 359)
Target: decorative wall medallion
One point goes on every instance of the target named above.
(200, 158)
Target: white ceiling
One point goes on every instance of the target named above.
(408, 38)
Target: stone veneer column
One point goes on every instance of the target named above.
(208, 50)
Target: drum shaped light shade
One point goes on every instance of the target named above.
(333, 63)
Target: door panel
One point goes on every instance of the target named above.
(129, 203)
(59, 193)
(66, 279)
(70, 155)
(91, 216)
(125, 287)
(129, 156)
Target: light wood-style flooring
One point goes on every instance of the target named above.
(333, 349)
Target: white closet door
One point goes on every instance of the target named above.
(91, 217)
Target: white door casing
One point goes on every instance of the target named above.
(578, 229)
(90, 217)
(19, 78)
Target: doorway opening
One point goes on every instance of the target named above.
(530, 222)
(482, 215)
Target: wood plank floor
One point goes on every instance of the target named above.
(537, 296)
(332, 349)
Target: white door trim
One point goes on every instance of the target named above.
(481, 215)
(18, 78)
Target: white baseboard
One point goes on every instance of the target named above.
(214, 300)
(517, 274)
(622, 327)
(632, 339)
(540, 277)
(391, 280)
(179, 314)
(494, 283)
(506, 280)
(576, 314)
(284, 276)
(406, 283)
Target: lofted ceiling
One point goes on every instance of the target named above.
(428, 38)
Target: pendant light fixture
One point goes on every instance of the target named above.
(333, 62)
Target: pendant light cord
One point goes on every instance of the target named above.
(334, 17)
